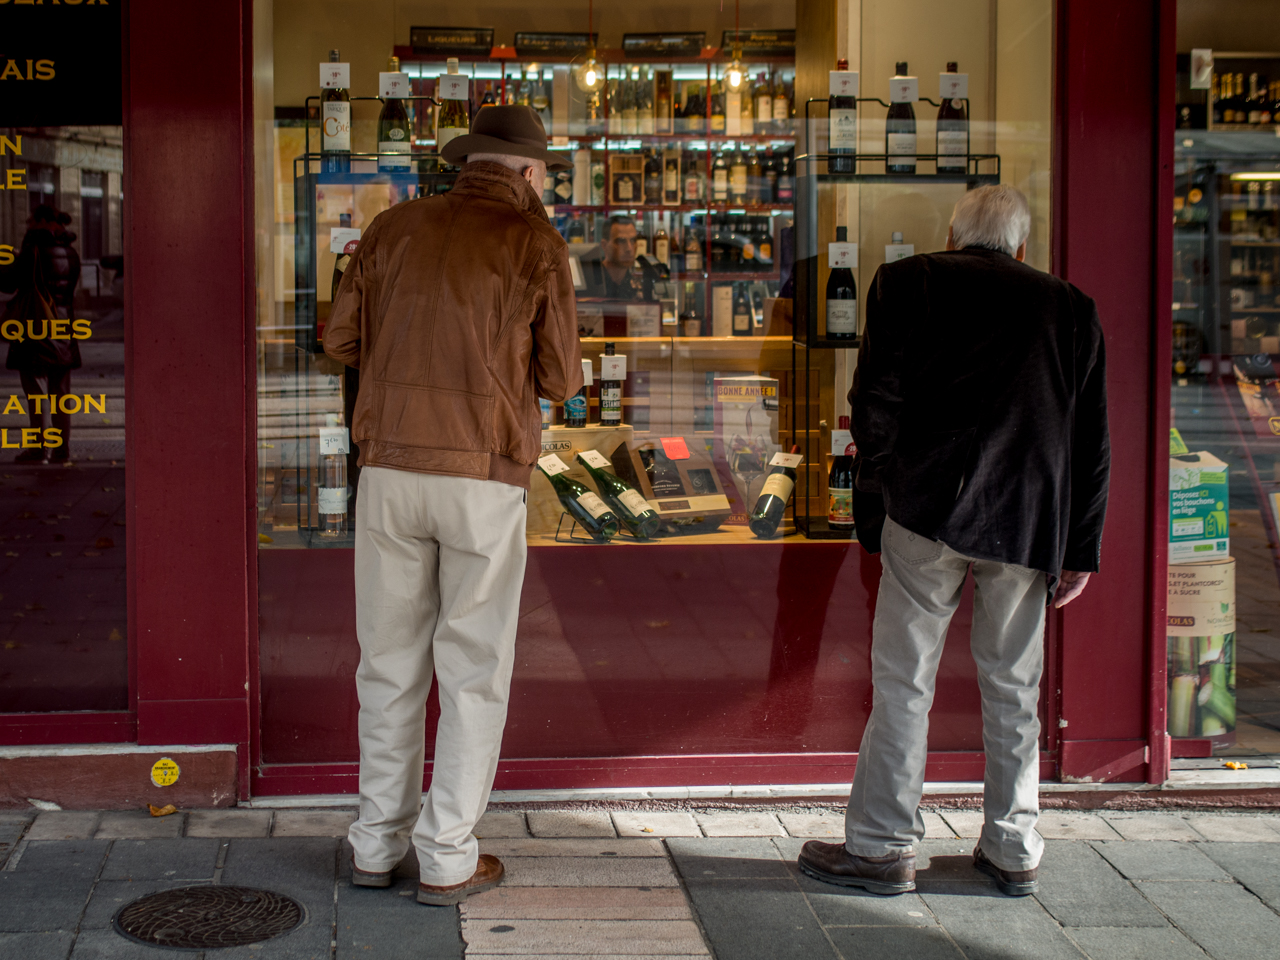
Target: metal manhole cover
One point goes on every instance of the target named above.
(204, 918)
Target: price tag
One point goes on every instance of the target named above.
(334, 440)
(791, 460)
(953, 86)
(551, 465)
(453, 86)
(339, 237)
(904, 89)
(894, 252)
(843, 83)
(842, 255)
(335, 75)
(613, 368)
(393, 85)
(675, 448)
(842, 444)
(1201, 68)
(593, 458)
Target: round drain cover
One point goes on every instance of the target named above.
(205, 918)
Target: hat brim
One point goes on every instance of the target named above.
(457, 149)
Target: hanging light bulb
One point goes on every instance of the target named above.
(734, 73)
(589, 74)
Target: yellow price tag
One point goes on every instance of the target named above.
(164, 772)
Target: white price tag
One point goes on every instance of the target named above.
(953, 86)
(613, 368)
(842, 255)
(904, 89)
(339, 237)
(593, 458)
(333, 440)
(843, 83)
(453, 86)
(791, 460)
(1201, 68)
(898, 251)
(842, 443)
(393, 85)
(551, 465)
(334, 75)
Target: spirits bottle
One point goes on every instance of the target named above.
(335, 125)
(717, 109)
(755, 178)
(625, 500)
(332, 489)
(953, 133)
(764, 106)
(630, 120)
(900, 133)
(842, 293)
(591, 513)
(575, 408)
(840, 485)
(720, 179)
(454, 97)
(662, 246)
(671, 176)
(746, 109)
(691, 319)
(781, 105)
(772, 502)
(644, 104)
(394, 140)
(652, 178)
(662, 102)
(770, 189)
(692, 251)
(786, 180)
(489, 98)
(741, 314)
(738, 178)
(613, 371)
(842, 123)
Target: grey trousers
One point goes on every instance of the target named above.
(919, 590)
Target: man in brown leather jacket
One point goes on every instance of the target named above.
(459, 312)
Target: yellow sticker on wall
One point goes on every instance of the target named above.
(164, 772)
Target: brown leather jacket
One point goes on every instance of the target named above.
(459, 312)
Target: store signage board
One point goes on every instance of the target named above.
(760, 43)
(904, 89)
(459, 41)
(663, 44)
(554, 44)
(67, 58)
(335, 76)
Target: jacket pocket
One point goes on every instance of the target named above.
(432, 418)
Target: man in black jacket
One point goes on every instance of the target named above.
(979, 411)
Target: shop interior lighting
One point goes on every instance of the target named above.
(1257, 175)
(734, 73)
(590, 75)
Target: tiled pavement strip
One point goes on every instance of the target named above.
(636, 884)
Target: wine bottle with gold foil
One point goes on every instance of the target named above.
(585, 507)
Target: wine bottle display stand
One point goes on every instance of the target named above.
(569, 536)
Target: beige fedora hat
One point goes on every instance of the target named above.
(509, 129)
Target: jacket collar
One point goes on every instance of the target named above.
(502, 183)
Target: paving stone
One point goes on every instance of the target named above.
(577, 903)
(472, 955)
(312, 823)
(1235, 829)
(935, 828)
(812, 826)
(929, 943)
(64, 825)
(946, 862)
(1159, 860)
(392, 925)
(34, 902)
(1081, 889)
(228, 823)
(109, 945)
(572, 847)
(850, 906)
(588, 872)
(965, 823)
(177, 858)
(985, 923)
(501, 823)
(740, 825)
(597, 938)
(727, 857)
(110, 895)
(137, 824)
(1135, 943)
(1074, 826)
(36, 946)
(12, 824)
(758, 920)
(657, 824)
(570, 823)
(1256, 865)
(1150, 826)
(302, 867)
(69, 859)
(1225, 919)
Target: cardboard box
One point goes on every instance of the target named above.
(1198, 508)
(565, 442)
(1201, 631)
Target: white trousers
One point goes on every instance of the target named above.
(920, 589)
(439, 567)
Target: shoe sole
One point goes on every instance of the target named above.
(1008, 888)
(371, 880)
(879, 887)
(449, 899)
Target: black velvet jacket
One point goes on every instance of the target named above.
(980, 409)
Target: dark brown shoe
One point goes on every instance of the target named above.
(489, 871)
(369, 878)
(1012, 883)
(832, 863)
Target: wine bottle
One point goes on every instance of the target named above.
(652, 178)
(953, 133)
(900, 131)
(764, 106)
(741, 314)
(692, 250)
(454, 95)
(738, 178)
(671, 176)
(691, 319)
(335, 118)
(786, 180)
(332, 491)
(842, 289)
(591, 513)
(772, 502)
(755, 178)
(720, 179)
(625, 500)
(717, 109)
(342, 260)
(575, 408)
(662, 104)
(694, 176)
(746, 108)
(842, 118)
(613, 371)
(662, 246)
(770, 189)
(394, 140)
(781, 105)
(840, 481)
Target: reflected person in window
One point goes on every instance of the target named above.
(618, 275)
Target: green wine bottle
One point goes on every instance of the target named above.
(626, 501)
(772, 502)
(591, 513)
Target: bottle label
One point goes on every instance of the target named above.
(791, 460)
(591, 503)
(336, 118)
(394, 154)
(738, 180)
(552, 465)
(333, 500)
(764, 108)
(691, 191)
(626, 188)
(766, 250)
(899, 144)
(662, 251)
(842, 316)
(840, 512)
(893, 252)
(634, 502)
(741, 321)
(844, 129)
(593, 458)
(671, 180)
(610, 404)
(692, 260)
(953, 137)
(720, 179)
(445, 134)
(778, 484)
(575, 407)
(781, 108)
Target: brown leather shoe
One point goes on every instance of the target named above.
(489, 871)
(832, 863)
(1012, 883)
(369, 878)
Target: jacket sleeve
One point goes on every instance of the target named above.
(1090, 452)
(342, 332)
(557, 353)
(876, 395)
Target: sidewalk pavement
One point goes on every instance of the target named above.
(630, 884)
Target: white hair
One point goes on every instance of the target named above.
(518, 164)
(996, 218)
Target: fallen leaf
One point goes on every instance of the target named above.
(164, 811)
(1232, 765)
(646, 829)
(93, 553)
(656, 624)
(263, 538)
(104, 543)
(106, 419)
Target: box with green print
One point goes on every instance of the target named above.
(1198, 508)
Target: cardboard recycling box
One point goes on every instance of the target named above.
(1198, 508)
(1201, 635)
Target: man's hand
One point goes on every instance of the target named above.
(1070, 585)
